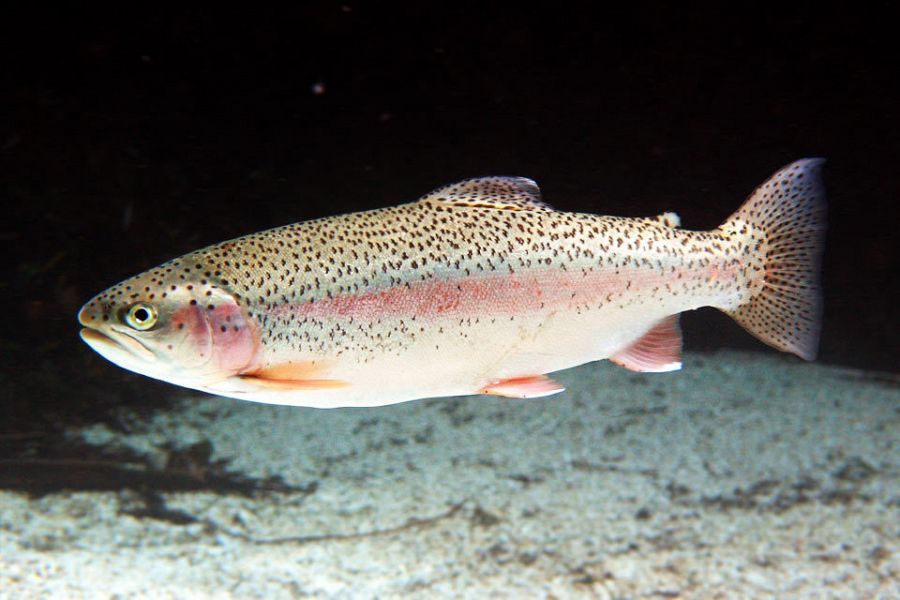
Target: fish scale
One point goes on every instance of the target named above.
(479, 286)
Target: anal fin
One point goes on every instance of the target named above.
(657, 351)
(531, 386)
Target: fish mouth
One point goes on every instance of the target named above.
(118, 347)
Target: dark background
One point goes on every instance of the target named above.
(129, 137)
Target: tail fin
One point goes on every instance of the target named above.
(783, 222)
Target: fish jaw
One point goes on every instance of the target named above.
(119, 349)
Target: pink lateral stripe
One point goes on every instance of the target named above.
(473, 297)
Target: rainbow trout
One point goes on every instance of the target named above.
(477, 288)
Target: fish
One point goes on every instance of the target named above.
(479, 287)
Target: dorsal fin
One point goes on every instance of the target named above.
(504, 193)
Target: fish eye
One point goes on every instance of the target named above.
(141, 316)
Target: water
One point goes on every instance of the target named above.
(747, 473)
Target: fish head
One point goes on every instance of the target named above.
(190, 331)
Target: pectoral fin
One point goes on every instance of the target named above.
(292, 376)
(294, 384)
(657, 351)
(532, 386)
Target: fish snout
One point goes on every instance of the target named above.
(93, 314)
